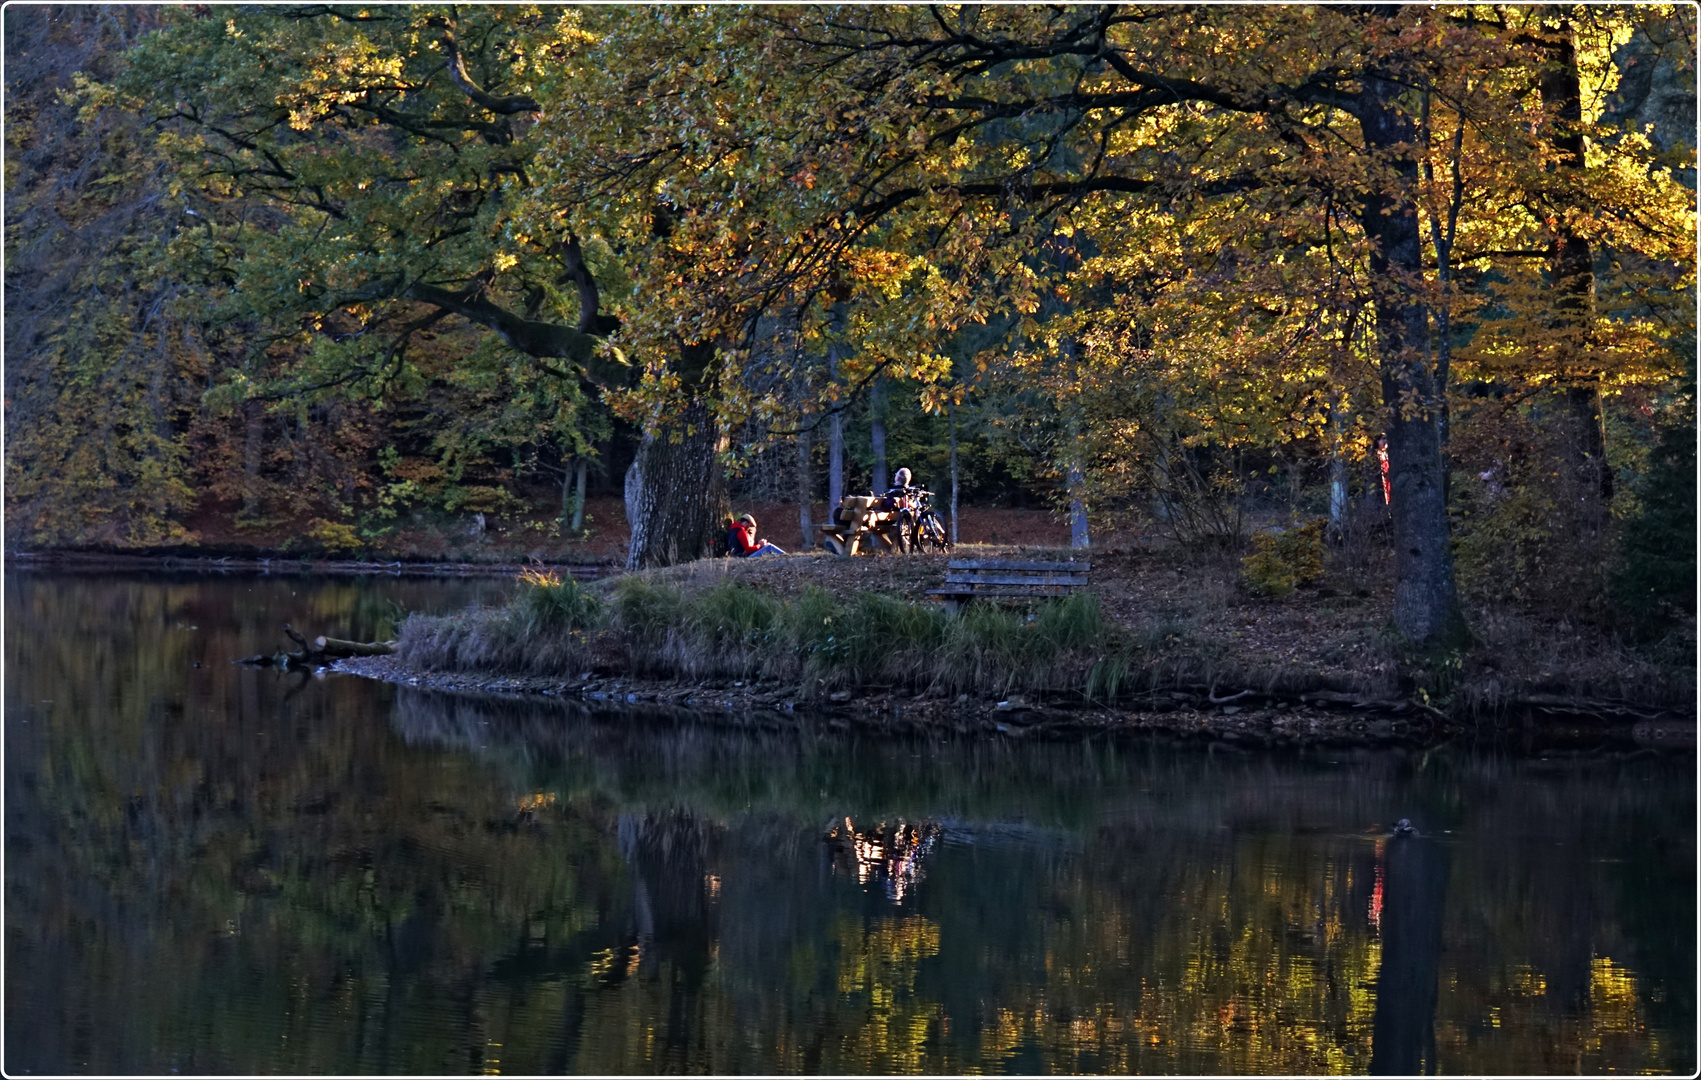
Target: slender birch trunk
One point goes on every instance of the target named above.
(579, 469)
(877, 431)
(951, 412)
(805, 491)
(835, 439)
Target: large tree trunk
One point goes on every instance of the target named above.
(1337, 469)
(253, 454)
(1574, 285)
(1075, 470)
(1426, 602)
(1079, 537)
(675, 491)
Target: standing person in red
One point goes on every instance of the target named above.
(1382, 461)
(742, 542)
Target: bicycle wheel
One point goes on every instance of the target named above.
(931, 532)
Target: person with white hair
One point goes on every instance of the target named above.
(901, 496)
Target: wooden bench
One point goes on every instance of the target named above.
(969, 579)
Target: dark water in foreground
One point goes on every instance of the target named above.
(220, 869)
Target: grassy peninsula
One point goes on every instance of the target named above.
(1162, 630)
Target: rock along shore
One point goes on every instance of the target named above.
(1244, 721)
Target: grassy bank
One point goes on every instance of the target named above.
(1154, 622)
(813, 641)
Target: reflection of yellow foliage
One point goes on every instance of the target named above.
(537, 800)
(1610, 1035)
(999, 1038)
(884, 955)
(880, 960)
(1612, 993)
(1526, 981)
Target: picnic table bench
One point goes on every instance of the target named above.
(969, 579)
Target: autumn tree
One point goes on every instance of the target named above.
(1316, 167)
(354, 182)
(97, 349)
(1279, 202)
(934, 143)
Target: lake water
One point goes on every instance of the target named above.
(218, 869)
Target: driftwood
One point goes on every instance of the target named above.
(337, 647)
(323, 650)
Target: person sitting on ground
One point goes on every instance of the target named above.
(742, 542)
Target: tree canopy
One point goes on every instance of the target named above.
(1158, 229)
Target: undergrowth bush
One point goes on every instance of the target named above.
(732, 629)
(1529, 524)
(1284, 559)
(810, 622)
(1653, 579)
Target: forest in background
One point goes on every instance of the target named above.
(326, 271)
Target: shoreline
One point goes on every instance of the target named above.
(90, 561)
(1324, 719)
(1236, 696)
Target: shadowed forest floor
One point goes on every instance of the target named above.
(1332, 635)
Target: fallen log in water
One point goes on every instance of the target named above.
(323, 650)
(337, 647)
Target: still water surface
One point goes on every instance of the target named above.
(220, 869)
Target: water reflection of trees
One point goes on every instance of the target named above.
(482, 885)
(1156, 910)
(889, 854)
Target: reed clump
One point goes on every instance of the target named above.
(548, 603)
(812, 641)
(550, 625)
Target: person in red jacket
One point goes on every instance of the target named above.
(742, 542)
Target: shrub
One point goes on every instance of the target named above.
(733, 613)
(1529, 523)
(1655, 577)
(333, 536)
(548, 603)
(989, 629)
(811, 621)
(881, 638)
(646, 610)
(1284, 559)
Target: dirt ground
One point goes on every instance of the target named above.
(1334, 636)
